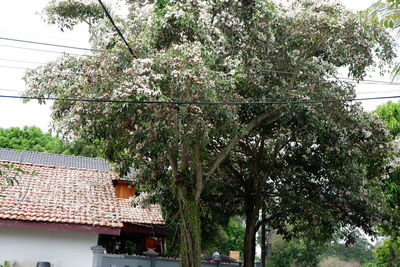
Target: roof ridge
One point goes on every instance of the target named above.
(53, 166)
(47, 153)
(52, 159)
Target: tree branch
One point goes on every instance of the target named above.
(173, 163)
(303, 58)
(184, 156)
(232, 143)
(199, 172)
(260, 222)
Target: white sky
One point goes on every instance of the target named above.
(20, 19)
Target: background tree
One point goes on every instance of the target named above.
(297, 252)
(389, 114)
(30, 138)
(204, 51)
(33, 139)
(229, 237)
(304, 252)
(387, 14)
(361, 250)
(388, 253)
(303, 175)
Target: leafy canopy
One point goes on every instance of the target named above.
(212, 51)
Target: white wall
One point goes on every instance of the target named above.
(25, 247)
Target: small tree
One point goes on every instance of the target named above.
(388, 254)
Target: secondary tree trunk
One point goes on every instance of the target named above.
(250, 241)
(252, 209)
(190, 247)
(263, 237)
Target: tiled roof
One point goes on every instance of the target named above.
(138, 214)
(53, 159)
(68, 194)
(62, 194)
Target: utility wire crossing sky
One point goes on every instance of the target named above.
(186, 102)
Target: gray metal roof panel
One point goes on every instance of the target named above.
(53, 159)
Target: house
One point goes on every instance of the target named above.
(70, 205)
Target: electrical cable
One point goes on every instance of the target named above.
(186, 102)
(131, 51)
(116, 28)
(48, 44)
(11, 90)
(22, 61)
(12, 67)
(358, 93)
(20, 33)
(42, 50)
(378, 92)
(372, 82)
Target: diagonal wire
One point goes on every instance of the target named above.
(116, 28)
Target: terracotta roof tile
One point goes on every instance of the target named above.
(139, 215)
(62, 194)
(68, 194)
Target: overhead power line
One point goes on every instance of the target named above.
(366, 81)
(37, 35)
(41, 50)
(358, 93)
(22, 61)
(116, 28)
(373, 82)
(186, 102)
(54, 45)
(12, 67)
(11, 90)
(47, 44)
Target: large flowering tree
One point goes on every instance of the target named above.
(218, 51)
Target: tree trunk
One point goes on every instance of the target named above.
(190, 247)
(263, 237)
(250, 241)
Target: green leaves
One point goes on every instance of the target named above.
(66, 14)
(388, 253)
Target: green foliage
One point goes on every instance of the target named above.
(303, 252)
(66, 14)
(226, 238)
(361, 251)
(5, 264)
(297, 252)
(389, 113)
(387, 14)
(30, 138)
(335, 262)
(388, 254)
(33, 139)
